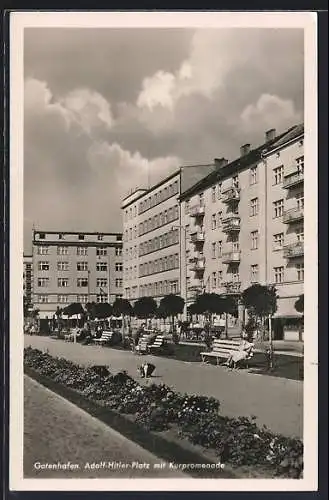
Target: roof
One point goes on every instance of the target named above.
(242, 162)
(77, 232)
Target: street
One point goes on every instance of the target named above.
(276, 402)
(59, 434)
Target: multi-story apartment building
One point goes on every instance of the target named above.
(151, 235)
(75, 267)
(244, 223)
(28, 279)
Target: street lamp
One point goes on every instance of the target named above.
(182, 272)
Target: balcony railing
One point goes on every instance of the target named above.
(197, 211)
(293, 250)
(195, 257)
(198, 237)
(199, 265)
(231, 223)
(232, 287)
(293, 179)
(233, 256)
(231, 194)
(293, 215)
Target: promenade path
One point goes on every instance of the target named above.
(276, 402)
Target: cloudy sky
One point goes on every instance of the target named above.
(103, 107)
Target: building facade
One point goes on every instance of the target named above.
(75, 267)
(244, 223)
(152, 235)
(28, 279)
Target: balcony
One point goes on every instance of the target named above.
(231, 223)
(293, 179)
(199, 265)
(230, 257)
(231, 194)
(232, 287)
(197, 211)
(198, 237)
(293, 215)
(293, 250)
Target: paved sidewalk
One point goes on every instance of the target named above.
(276, 402)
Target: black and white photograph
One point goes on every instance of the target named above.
(162, 242)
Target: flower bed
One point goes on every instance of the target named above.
(236, 441)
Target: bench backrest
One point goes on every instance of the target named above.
(229, 345)
(106, 335)
(159, 340)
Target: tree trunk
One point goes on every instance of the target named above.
(226, 326)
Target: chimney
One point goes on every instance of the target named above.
(220, 162)
(244, 150)
(270, 135)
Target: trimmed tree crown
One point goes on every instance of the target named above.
(260, 300)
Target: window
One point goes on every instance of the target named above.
(214, 280)
(101, 266)
(81, 237)
(278, 240)
(101, 251)
(61, 236)
(42, 299)
(44, 282)
(220, 248)
(100, 237)
(82, 299)
(43, 265)
(254, 273)
(213, 194)
(43, 250)
(42, 236)
(253, 175)
(62, 282)
(213, 221)
(82, 266)
(187, 206)
(278, 175)
(82, 282)
(201, 199)
(300, 164)
(213, 250)
(82, 251)
(219, 190)
(278, 207)
(62, 266)
(235, 180)
(101, 298)
(300, 234)
(279, 274)
(118, 252)
(300, 271)
(174, 287)
(119, 237)
(300, 201)
(118, 266)
(118, 282)
(254, 240)
(220, 277)
(219, 218)
(254, 207)
(62, 299)
(62, 250)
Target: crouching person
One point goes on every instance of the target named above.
(146, 370)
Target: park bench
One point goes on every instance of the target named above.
(104, 339)
(143, 344)
(158, 343)
(222, 349)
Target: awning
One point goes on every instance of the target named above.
(286, 308)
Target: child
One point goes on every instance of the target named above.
(146, 370)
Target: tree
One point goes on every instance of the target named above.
(90, 308)
(208, 304)
(145, 307)
(25, 306)
(299, 304)
(73, 309)
(122, 306)
(171, 305)
(103, 310)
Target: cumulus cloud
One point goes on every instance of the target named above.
(270, 111)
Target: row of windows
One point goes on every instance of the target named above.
(158, 197)
(81, 282)
(81, 237)
(159, 220)
(158, 288)
(68, 299)
(278, 176)
(44, 250)
(162, 241)
(44, 265)
(159, 265)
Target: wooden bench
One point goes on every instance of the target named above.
(158, 343)
(104, 339)
(222, 349)
(143, 344)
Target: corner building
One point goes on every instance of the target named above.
(75, 267)
(244, 223)
(152, 235)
